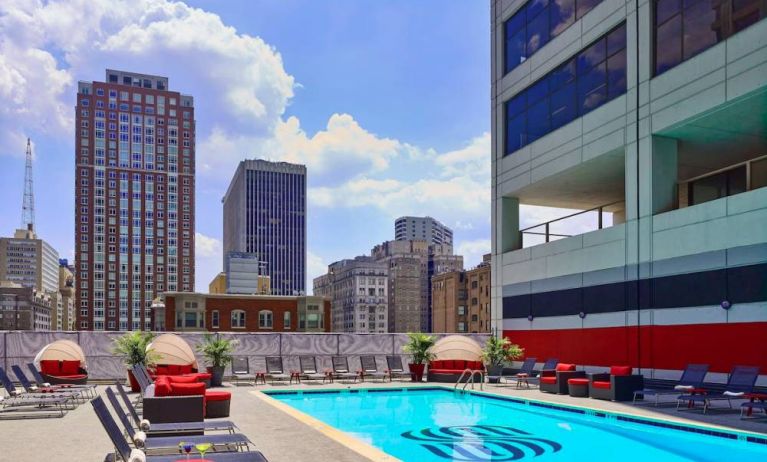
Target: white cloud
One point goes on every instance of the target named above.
(473, 251)
(315, 266)
(206, 246)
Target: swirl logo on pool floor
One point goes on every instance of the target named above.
(482, 442)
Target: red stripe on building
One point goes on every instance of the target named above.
(655, 347)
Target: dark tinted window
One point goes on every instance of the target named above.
(717, 186)
(579, 85)
(537, 22)
(684, 28)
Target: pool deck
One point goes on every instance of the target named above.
(284, 437)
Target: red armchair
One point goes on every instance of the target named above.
(617, 385)
(555, 380)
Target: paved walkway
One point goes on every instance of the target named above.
(78, 437)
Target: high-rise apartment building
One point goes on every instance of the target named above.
(358, 293)
(29, 261)
(134, 198)
(65, 318)
(265, 215)
(654, 112)
(461, 300)
(422, 228)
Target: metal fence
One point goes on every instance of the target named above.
(21, 347)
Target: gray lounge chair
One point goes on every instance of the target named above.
(173, 427)
(17, 400)
(221, 442)
(32, 389)
(123, 449)
(370, 369)
(341, 369)
(741, 381)
(395, 369)
(693, 376)
(524, 373)
(241, 371)
(309, 368)
(90, 389)
(274, 369)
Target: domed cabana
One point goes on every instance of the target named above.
(62, 362)
(172, 350)
(452, 355)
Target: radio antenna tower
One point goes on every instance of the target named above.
(28, 206)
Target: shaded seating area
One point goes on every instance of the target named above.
(617, 385)
(175, 358)
(453, 355)
(62, 362)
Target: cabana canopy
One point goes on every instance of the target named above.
(457, 347)
(173, 350)
(61, 350)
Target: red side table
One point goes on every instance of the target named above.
(295, 375)
(260, 376)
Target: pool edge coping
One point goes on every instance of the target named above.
(343, 438)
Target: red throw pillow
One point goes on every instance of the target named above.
(162, 386)
(70, 367)
(185, 369)
(564, 367)
(620, 370)
(187, 389)
(172, 369)
(436, 364)
(161, 370)
(50, 366)
(182, 379)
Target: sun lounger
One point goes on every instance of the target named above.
(274, 369)
(31, 402)
(124, 450)
(525, 372)
(224, 441)
(394, 368)
(33, 389)
(741, 381)
(241, 371)
(309, 369)
(90, 390)
(171, 427)
(341, 369)
(692, 378)
(370, 368)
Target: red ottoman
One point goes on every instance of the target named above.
(217, 404)
(578, 387)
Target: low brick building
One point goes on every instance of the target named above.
(190, 311)
(461, 300)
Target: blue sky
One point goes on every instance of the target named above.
(386, 102)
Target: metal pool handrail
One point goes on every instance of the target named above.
(472, 373)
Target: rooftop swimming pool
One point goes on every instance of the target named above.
(439, 424)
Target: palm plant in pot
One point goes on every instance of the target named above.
(132, 348)
(418, 346)
(218, 353)
(498, 350)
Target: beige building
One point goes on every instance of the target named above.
(66, 317)
(218, 285)
(29, 261)
(24, 308)
(461, 300)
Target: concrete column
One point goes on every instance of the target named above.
(664, 174)
(509, 225)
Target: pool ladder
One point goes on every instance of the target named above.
(472, 374)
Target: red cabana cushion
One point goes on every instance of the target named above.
(71, 377)
(69, 367)
(162, 386)
(603, 385)
(550, 379)
(620, 370)
(182, 378)
(50, 366)
(577, 381)
(217, 395)
(187, 389)
(564, 367)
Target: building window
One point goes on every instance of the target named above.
(286, 320)
(264, 319)
(461, 310)
(684, 29)
(536, 23)
(581, 84)
(238, 319)
(461, 327)
(214, 319)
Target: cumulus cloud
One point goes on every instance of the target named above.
(473, 251)
(315, 266)
(206, 246)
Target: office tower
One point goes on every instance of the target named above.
(29, 261)
(134, 198)
(461, 300)
(265, 215)
(651, 118)
(422, 228)
(358, 293)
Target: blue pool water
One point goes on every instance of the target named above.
(439, 425)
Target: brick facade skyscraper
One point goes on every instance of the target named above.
(134, 193)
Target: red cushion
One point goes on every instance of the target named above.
(70, 367)
(445, 371)
(162, 386)
(187, 389)
(185, 369)
(551, 380)
(620, 370)
(603, 385)
(182, 379)
(453, 364)
(217, 395)
(161, 370)
(50, 366)
(202, 376)
(436, 364)
(577, 381)
(564, 367)
(71, 377)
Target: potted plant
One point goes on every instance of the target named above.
(496, 351)
(132, 348)
(418, 346)
(218, 353)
